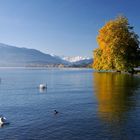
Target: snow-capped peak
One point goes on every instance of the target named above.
(73, 59)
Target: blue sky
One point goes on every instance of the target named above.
(61, 27)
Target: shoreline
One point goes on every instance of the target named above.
(45, 68)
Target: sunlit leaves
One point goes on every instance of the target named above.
(118, 46)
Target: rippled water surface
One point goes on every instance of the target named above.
(91, 105)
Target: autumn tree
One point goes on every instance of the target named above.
(118, 46)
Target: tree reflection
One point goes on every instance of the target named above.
(115, 94)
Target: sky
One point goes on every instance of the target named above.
(61, 27)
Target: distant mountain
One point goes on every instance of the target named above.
(11, 56)
(78, 61)
(14, 56)
(73, 59)
(83, 63)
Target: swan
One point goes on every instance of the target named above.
(3, 120)
(42, 86)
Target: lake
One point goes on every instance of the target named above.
(91, 105)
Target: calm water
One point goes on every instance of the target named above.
(92, 106)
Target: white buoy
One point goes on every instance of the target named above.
(42, 86)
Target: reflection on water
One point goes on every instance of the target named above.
(1, 125)
(114, 93)
(42, 90)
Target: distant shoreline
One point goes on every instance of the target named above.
(45, 68)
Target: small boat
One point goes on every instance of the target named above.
(42, 86)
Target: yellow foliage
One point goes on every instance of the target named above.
(118, 46)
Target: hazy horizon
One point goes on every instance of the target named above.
(61, 27)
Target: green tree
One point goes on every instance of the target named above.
(118, 46)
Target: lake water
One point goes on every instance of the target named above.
(92, 106)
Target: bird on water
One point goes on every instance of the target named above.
(56, 112)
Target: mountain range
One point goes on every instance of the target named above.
(11, 56)
(74, 59)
